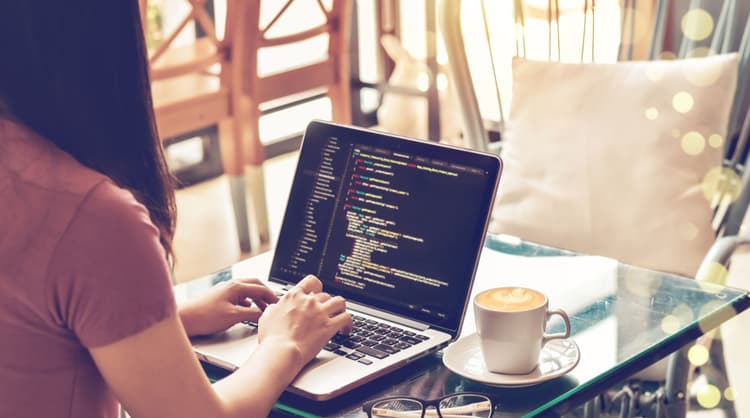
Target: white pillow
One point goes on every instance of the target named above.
(609, 159)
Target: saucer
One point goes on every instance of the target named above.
(464, 357)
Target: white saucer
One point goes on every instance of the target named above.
(464, 357)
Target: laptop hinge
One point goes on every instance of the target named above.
(387, 316)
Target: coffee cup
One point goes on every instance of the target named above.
(511, 323)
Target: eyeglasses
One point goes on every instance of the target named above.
(462, 404)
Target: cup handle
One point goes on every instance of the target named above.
(559, 335)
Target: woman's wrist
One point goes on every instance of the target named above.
(187, 316)
(286, 349)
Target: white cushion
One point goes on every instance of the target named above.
(609, 159)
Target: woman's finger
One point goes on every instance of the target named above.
(248, 280)
(256, 292)
(310, 284)
(322, 297)
(342, 323)
(261, 305)
(334, 305)
(251, 314)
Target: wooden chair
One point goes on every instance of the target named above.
(330, 73)
(190, 94)
(198, 85)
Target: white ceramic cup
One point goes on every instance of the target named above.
(511, 337)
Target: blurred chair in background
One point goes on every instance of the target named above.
(216, 80)
(287, 86)
(199, 84)
(670, 166)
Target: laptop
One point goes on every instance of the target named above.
(392, 224)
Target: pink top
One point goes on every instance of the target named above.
(80, 267)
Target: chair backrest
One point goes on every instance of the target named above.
(333, 23)
(169, 59)
(711, 27)
(699, 28)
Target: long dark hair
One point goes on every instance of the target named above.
(75, 72)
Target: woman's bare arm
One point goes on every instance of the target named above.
(155, 374)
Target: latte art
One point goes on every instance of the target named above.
(510, 299)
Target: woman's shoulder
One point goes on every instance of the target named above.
(108, 205)
(46, 182)
(36, 163)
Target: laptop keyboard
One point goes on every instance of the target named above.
(370, 338)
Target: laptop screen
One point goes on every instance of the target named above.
(388, 222)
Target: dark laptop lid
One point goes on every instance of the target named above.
(388, 222)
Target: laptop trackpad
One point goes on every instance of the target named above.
(235, 345)
(228, 349)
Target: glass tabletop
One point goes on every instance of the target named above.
(623, 320)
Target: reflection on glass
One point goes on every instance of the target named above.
(459, 405)
(670, 324)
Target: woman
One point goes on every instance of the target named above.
(87, 317)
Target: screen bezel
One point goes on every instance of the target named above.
(318, 132)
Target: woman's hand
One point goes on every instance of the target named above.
(226, 304)
(306, 318)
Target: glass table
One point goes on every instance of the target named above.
(624, 319)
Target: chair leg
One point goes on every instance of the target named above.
(256, 190)
(231, 155)
(253, 159)
(341, 105)
(678, 373)
(239, 204)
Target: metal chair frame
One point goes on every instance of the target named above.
(634, 398)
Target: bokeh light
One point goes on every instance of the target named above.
(684, 313)
(423, 81)
(729, 394)
(670, 324)
(688, 231)
(703, 76)
(697, 24)
(721, 180)
(640, 283)
(712, 277)
(698, 355)
(683, 102)
(654, 72)
(716, 140)
(652, 113)
(667, 55)
(700, 52)
(442, 82)
(693, 143)
(708, 396)
(709, 307)
(707, 326)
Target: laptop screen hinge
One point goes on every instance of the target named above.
(387, 316)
